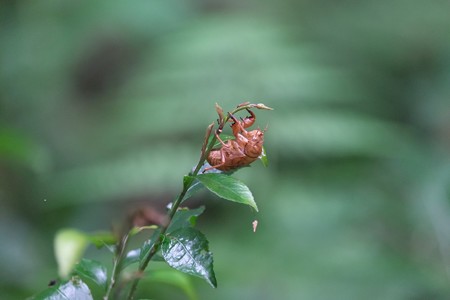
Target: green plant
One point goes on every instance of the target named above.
(174, 238)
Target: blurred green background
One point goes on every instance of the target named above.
(104, 104)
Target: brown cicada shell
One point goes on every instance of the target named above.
(241, 151)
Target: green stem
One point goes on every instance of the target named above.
(176, 204)
(117, 264)
(173, 210)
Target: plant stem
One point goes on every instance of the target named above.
(117, 264)
(173, 210)
(176, 204)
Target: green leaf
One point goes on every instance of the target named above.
(185, 217)
(131, 258)
(228, 188)
(195, 186)
(103, 238)
(69, 245)
(148, 245)
(263, 158)
(174, 278)
(71, 289)
(187, 180)
(92, 270)
(187, 251)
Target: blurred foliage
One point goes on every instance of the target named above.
(104, 104)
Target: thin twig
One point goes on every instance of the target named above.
(121, 247)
